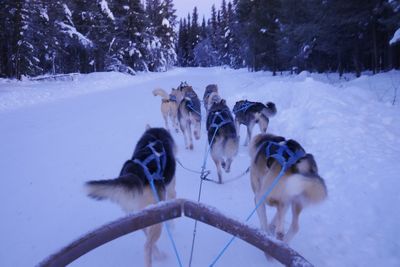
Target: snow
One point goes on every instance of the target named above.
(165, 23)
(395, 38)
(71, 31)
(106, 9)
(57, 135)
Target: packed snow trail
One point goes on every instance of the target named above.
(54, 136)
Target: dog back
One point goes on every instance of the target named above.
(220, 119)
(153, 154)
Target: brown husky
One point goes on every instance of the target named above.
(299, 186)
(169, 106)
(154, 156)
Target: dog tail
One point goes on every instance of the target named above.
(161, 92)
(311, 188)
(270, 111)
(230, 146)
(121, 190)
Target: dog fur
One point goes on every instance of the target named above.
(300, 186)
(223, 141)
(256, 113)
(189, 115)
(169, 106)
(132, 191)
(211, 88)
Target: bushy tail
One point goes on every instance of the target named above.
(121, 190)
(160, 92)
(311, 188)
(271, 109)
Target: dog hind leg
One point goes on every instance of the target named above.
(281, 209)
(249, 132)
(294, 227)
(153, 233)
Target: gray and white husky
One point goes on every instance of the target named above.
(189, 115)
(299, 186)
(222, 137)
(132, 191)
(211, 90)
(250, 113)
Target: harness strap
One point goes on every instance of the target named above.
(219, 115)
(278, 151)
(243, 107)
(160, 159)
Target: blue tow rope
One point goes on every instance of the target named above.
(160, 158)
(204, 173)
(285, 163)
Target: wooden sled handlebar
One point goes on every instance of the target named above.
(170, 210)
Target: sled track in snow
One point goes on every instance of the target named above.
(170, 210)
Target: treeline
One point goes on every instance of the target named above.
(64, 36)
(275, 35)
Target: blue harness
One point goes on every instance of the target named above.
(172, 98)
(160, 159)
(283, 154)
(222, 120)
(243, 107)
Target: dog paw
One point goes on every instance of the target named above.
(177, 130)
(191, 147)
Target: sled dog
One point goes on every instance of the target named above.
(132, 191)
(169, 106)
(250, 113)
(189, 115)
(299, 186)
(211, 88)
(222, 137)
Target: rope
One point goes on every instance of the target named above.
(166, 226)
(203, 176)
(264, 196)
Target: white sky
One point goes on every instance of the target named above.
(183, 7)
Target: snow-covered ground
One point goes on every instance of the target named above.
(54, 136)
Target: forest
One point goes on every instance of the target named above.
(83, 36)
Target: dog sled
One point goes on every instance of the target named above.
(169, 210)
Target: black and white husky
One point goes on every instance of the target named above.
(250, 113)
(222, 136)
(153, 158)
(189, 115)
(299, 186)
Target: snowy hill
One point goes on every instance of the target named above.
(54, 136)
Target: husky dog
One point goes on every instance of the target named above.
(132, 190)
(250, 113)
(299, 186)
(211, 88)
(189, 114)
(222, 136)
(169, 106)
(213, 98)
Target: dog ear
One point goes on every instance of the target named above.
(223, 102)
(148, 127)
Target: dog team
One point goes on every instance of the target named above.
(154, 159)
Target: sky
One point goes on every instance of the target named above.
(183, 7)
